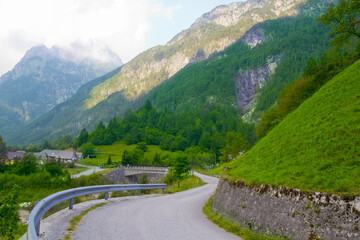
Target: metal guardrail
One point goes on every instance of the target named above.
(44, 205)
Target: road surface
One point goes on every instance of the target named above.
(91, 170)
(177, 216)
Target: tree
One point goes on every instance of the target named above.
(46, 145)
(3, 150)
(83, 137)
(54, 168)
(109, 162)
(142, 146)
(235, 144)
(87, 149)
(157, 160)
(180, 167)
(344, 19)
(28, 165)
(9, 215)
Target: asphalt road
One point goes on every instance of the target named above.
(91, 170)
(178, 216)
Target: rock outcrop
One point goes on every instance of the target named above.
(247, 82)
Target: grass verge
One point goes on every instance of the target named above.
(76, 170)
(75, 221)
(188, 183)
(233, 227)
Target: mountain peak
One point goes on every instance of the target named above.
(227, 15)
(38, 50)
(76, 52)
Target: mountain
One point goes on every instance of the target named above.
(316, 147)
(211, 33)
(129, 88)
(249, 74)
(46, 77)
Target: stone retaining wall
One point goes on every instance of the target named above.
(118, 176)
(289, 212)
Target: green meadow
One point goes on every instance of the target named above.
(116, 150)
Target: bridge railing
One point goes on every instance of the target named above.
(44, 205)
(163, 169)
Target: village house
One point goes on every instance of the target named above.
(13, 156)
(63, 155)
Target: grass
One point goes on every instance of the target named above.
(116, 150)
(76, 220)
(316, 147)
(186, 184)
(233, 227)
(21, 230)
(76, 170)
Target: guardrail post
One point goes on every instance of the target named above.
(139, 192)
(37, 225)
(106, 195)
(163, 190)
(37, 228)
(71, 204)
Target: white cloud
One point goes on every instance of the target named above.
(122, 25)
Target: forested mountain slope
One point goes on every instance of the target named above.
(247, 77)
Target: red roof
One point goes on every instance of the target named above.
(12, 155)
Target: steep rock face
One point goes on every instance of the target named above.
(248, 82)
(211, 33)
(44, 78)
(254, 36)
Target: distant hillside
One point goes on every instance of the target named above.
(46, 77)
(316, 147)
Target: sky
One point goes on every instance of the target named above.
(128, 27)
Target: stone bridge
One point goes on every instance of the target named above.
(131, 174)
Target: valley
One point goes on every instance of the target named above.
(262, 94)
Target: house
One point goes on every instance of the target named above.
(66, 156)
(13, 155)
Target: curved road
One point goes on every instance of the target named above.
(177, 216)
(91, 170)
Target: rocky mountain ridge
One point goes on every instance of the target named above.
(211, 33)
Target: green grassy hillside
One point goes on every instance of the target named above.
(116, 151)
(316, 147)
